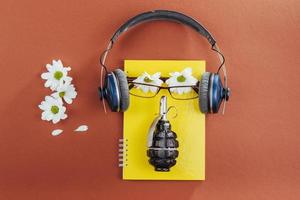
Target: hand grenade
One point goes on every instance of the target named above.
(162, 148)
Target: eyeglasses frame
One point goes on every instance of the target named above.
(131, 84)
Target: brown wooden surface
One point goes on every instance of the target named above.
(252, 151)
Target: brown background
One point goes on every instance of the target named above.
(252, 151)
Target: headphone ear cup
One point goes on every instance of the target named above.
(204, 92)
(123, 89)
(110, 92)
(218, 93)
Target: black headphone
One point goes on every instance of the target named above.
(115, 89)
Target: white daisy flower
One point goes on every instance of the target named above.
(53, 109)
(183, 78)
(148, 79)
(66, 92)
(57, 75)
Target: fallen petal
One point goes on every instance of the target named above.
(56, 132)
(82, 128)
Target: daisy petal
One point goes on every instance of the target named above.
(180, 90)
(55, 119)
(47, 83)
(45, 75)
(54, 63)
(187, 72)
(64, 116)
(82, 128)
(68, 79)
(42, 106)
(156, 75)
(49, 67)
(55, 95)
(68, 100)
(59, 63)
(145, 89)
(56, 132)
(153, 89)
(186, 89)
(44, 114)
(48, 116)
(175, 74)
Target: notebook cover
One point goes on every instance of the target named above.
(189, 126)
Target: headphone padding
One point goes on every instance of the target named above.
(124, 91)
(204, 92)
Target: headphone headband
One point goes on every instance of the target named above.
(164, 15)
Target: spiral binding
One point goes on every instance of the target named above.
(123, 152)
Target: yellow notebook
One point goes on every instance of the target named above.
(189, 125)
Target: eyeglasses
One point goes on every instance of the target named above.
(145, 90)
